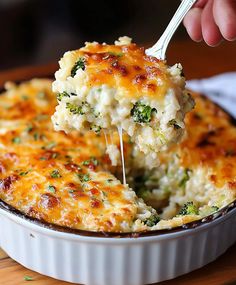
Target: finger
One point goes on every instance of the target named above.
(225, 17)
(192, 23)
(210, 31)
(200, 3)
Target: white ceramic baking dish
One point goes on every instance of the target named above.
(125, 259)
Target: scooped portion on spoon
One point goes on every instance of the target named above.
(107, 87)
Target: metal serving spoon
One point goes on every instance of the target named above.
(159, 49)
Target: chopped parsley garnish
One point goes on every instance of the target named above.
(41, 95)
(74, 109)
(95, 128)
(49, 146)
(16, 140)
(185, 177)
(51, 188)
(55, 174)
(174, 124)
(110, 53)
(188, 209)
(23, 173)
(80, 64)
(152, 221)
(29, 128)
(142, 113)
(83, 177)
(36, 136)
(62, 95)
(25, 97)
(28, 278)
(92, 161)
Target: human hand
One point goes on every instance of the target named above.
(212, 21)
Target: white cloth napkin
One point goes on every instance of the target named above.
(220, 88)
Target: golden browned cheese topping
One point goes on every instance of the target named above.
(52, 176)
(211, 142)
(124, 66)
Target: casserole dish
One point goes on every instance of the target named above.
(90, 258)
(81, 256)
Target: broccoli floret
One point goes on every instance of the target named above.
(188, 209)
(185, 177)
(80, 64)
(142, 113)
(152, 221)
(143, 193)
(214, 209)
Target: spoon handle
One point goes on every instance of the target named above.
(159, 49)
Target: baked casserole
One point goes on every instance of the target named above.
(69, 180)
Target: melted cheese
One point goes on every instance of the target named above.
(55, 177)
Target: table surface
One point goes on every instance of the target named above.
(198, 61)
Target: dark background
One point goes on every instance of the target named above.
(40, 31)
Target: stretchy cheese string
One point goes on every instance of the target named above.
(122, 153)
(105, 135)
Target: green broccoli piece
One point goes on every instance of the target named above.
(142, 113)
(185, 177)
(188, 209)
(152, 221)
(80, 64)
(214, 209)
(143, 193)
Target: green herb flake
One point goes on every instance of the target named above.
(62, 95)
(110, 53)
(80, 64)
(74, 109)
(173, 123)
(16, 140)
(84, 177)
(25, 97)
(28, 278)
(41, 95)
(49, 146)
(95, 128)
(55, 174)
(141, 113)
(54, 155)
(36, 136)
(51, 188)
(24, 173)
(29, 128)
(92, 161)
